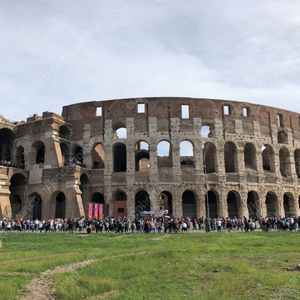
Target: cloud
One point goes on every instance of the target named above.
(244, 51)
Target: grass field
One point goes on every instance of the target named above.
(253, 265)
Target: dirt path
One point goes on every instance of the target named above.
(42, 286)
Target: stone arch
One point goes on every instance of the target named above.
(120, 133)
(164, 154)
(120, 157)
(16, 204)
(272, 204)
(289, 205)
(98, 156)
(119, 204)
(97, 207)
(230, 156)
(234, 204)
(297, 162)
(282, 137)
(285, 163)
(209, 158)
(207, 130)
(253, 205)
(211, 204)
(64, 152)
(98, 198)
(166, 202)
(17, 180)
(250, 156)
(39, 150)
(142, 156)
(6, 143)
(142, 202)
(64, 132)
(268, 158)
(17, 183)
(36, 202)
(189, 205)
(59, 199)
(78, 155)
(187, 153)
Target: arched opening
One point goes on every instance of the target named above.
(60, 206)
(39, 149)
(98, 156)
(209, 158)
(120, 157)
(142, 157)
(64, 152)
(253, 205)
(272, 204)
(285, 165)
(297, 162)
(78, 155)
(164, 154)
(189, 205)
(120, 133)
(97, 208)
(212, 199)
(289, 205)
(250, 156)
(142, 202)
(120, 204)
(15, 204)
(6, 143)
(64, 132)
(230, 156)
(17, 180)
(166, 202)
(282, 137)
(234, 204)
(37, 207)
(268, 158)
(186, 153)
(17, 190)
(206, 131)
(20, 157)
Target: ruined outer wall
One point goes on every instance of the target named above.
(237, 124)
(163, 121)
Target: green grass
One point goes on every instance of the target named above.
(197, 266)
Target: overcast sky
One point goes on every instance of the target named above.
(55, 53)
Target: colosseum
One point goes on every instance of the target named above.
(192, 157)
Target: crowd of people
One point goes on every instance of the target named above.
(8, 163)
(165, 224)
(74, 162)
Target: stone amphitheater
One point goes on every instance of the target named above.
(192, 157)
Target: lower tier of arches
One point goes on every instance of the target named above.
(182, 201)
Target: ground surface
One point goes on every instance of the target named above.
(253, 265)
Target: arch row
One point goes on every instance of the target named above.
(187, 204)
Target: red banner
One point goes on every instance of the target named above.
(90, 210)
(96, 211)
(100, 211)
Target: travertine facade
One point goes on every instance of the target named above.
(190, 156)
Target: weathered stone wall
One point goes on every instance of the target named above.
(248, 164)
